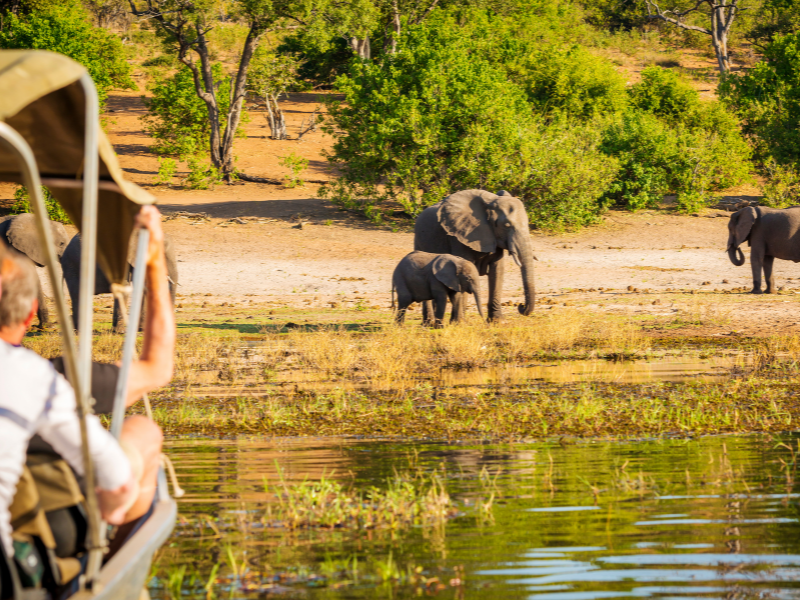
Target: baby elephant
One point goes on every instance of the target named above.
(422, 276)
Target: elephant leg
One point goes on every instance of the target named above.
(756, 263)
(404, 300)
(457, 312)
(428, 309)
(116, 318)
(496, 273)
(74, 296)
(440, 301)
(770, 278)
(42, 313)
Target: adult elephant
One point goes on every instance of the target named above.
(71, 267)
(20, 233)
(771, 233)
(480, 226)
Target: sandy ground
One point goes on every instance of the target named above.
(252, 244)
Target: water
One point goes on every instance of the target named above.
(663, 368)
(711, 517)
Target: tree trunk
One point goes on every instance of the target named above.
(225, 152)
(396, 25)
(361, 47)
(276, 118)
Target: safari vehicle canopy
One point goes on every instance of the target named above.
(50, 135)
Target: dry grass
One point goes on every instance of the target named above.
(385, 356)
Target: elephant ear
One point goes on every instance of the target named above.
(23, 237)
(444, 269)
(744, 222)
(463, 215)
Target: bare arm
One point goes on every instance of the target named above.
(156, 362)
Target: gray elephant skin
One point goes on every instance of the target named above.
(20, 233)
(71, 267)
(422, 276)
(771, 233)
(479, 226)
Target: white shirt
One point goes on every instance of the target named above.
(34, 398)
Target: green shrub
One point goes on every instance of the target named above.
(563, 175)
(22, 204)
(296, 164)
(657, 158)
(66, 28)
(568, 81)
(664, 93)
(166, 170)
(202, 175)
(767, 99)
(177, 118)
(440, 116)
(319, 65)
(782, 188)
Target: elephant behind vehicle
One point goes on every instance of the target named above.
(480, 227)
(20, 233)
(71, 267)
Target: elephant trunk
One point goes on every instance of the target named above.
(478, 303)
(524, 254)
(732, 250)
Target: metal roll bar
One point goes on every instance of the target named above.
(120, 394)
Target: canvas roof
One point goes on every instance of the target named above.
(42, 98)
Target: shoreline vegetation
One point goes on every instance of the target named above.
(374, 379)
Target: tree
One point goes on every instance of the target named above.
(722, 14)
(66, 29)
(271, 75)
(188, 25)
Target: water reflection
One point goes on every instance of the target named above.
(712, 517)
(662, 368)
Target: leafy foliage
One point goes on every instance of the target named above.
(569, 81)
(22, 204)
(767, 99)
(177, 118)
(66, 28)
(782, 188)
(296, 164)
(319, 65)
(440, 116)
(672, 141)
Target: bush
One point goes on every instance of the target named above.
(656, 159)
(441, 116)
(22, 204)
(178, 119)
(767, 99)
(319, 65)
(664, 93)
(782, 188)
(567, 81)
(66, 28)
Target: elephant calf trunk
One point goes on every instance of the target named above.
(732, 254)
(478, 304)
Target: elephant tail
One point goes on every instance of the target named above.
(393, 305)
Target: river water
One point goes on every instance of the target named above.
(714, 517)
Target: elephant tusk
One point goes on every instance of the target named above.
(516, 260)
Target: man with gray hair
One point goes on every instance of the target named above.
(36, 400)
